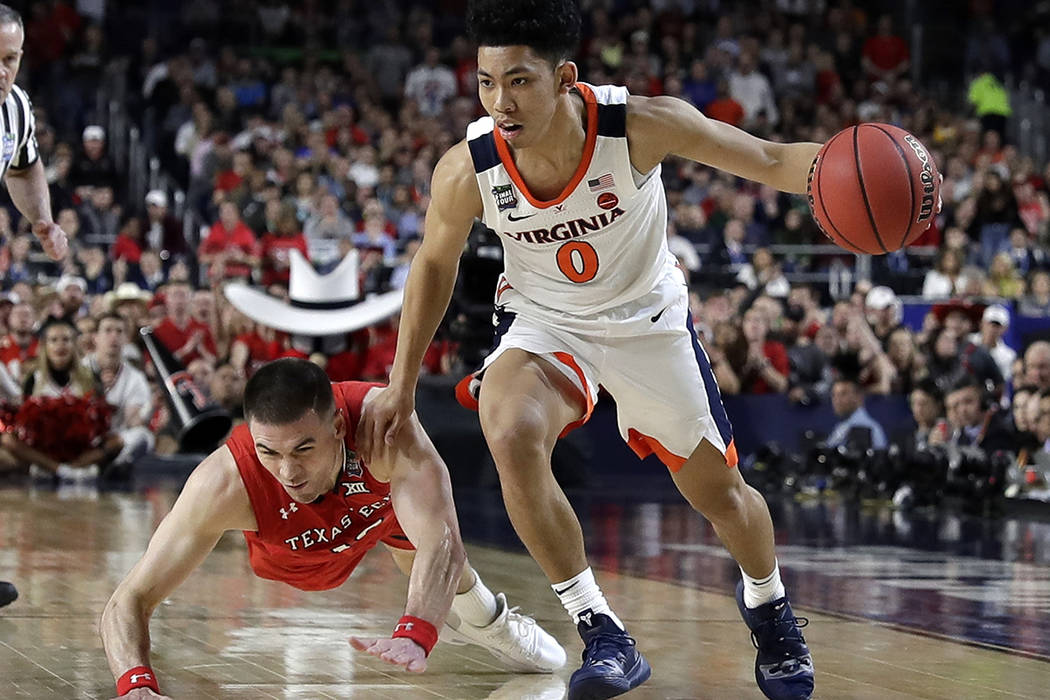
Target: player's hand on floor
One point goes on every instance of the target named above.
(142, 694)
(400, 652)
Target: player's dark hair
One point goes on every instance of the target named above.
(284, 390)
(9, 16)
(551, 28)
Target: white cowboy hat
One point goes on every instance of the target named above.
(126, 291)
(318, 304)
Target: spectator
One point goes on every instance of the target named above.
(885, 55)
(185, 337)
(227, 389)
(71, 291)
(99, 217)
(125, 388)
(766, 368)
(973, 421)
(763, 274)
(230, 250)
(725, 108)
(752, 91)
(856, 428)
(908, 363)
(20, 344)
(59, 372)
(883, 311)
(128, 245)
(1037, 303)
(699, 88)
(151, 271)
(163, 232)
(942, 281)
(1037, 365)
(990, 101)
(329, 234)
(994, 323)
(278, 244)
(927, 410)
(93, 168)
(430, 84)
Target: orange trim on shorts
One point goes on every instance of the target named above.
(567, 359)
(504, 286)
(581, 169)
(643, 446)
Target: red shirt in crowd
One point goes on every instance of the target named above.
(14, 356)
(126, 248)
(241, 239)
(726, 109)
(276, 249)
(777, 355)
(886, 52)
(175, 338)
(315, 546)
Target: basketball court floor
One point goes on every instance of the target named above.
(899, 607)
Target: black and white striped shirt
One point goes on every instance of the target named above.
(17, 132)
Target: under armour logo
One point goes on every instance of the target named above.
(407, 626)
(285, 512)
(136, 677)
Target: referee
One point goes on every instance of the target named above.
(20, 163)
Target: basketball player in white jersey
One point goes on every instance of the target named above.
(568, 175)
(20, 164)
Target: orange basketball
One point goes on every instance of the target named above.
(873, 188)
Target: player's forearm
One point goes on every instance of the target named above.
(125, 633)
(428, 291)
(29, 192)
(791, 171)
(436, 571)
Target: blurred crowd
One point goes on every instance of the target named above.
(317, 127)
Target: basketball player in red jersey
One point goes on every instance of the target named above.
(568, 175)
(310, 509)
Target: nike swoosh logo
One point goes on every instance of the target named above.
(519, 218)
(566, 589)
(656, 318)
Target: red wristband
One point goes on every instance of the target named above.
(418, 630)
(138, 677)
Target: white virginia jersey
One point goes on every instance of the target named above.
(602, 242)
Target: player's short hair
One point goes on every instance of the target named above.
(9, 15)
(551, 28)
(284, 390)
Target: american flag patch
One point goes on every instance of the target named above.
(600, 183)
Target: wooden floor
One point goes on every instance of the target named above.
(227, 634)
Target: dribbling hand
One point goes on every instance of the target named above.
(382, 419)
(399, 652)
(52, 238)
(142, 694)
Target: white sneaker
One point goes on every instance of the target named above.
(78, 474)
(513, 638)
(38, 472)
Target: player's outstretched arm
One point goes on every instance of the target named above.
(661, 126)
(454, 204)
(213, 500)
(422, 498)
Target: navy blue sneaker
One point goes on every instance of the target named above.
(784, 667)
(611, 663)
(8, 593)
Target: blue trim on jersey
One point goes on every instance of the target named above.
(612, 120)
(483, 152)
(504, 319)
(714, 398)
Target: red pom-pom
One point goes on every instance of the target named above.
(63, 427)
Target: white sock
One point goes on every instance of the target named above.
(759, 591)
(580, 594)
(476, 606)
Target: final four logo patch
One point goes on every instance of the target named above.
(8, 146)
(505, 198)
